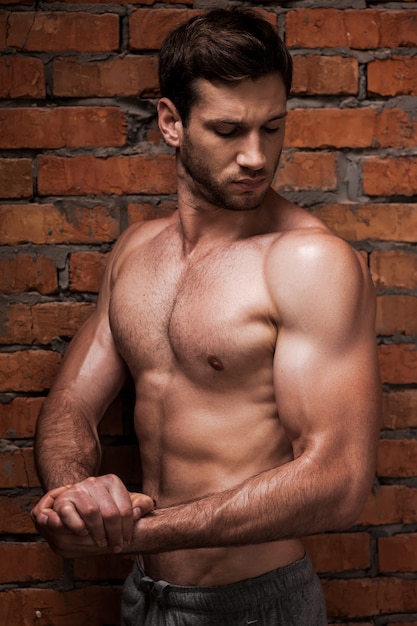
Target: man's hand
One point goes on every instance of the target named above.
(98, 513)
(66, 543)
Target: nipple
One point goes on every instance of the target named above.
(215, 362)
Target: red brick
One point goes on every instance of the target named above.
(361, 29)
(15, 516)
(47, 224)
(320, 128)
(60, 31)
(398, 363)
(349, 128)
(307, 170)
(397, 457)
(339, 552)
(148, 211)
(396, 314)
(325, 75)
(362, 597)
(62, 127)
(129, 76)
(18, 418)
(394, 268)
(379, 222)
(16, 324)
(21, 77)
(397, 28)
(389, 176)
(42, 323)
(92, 605)
(115, 567)
(114, 175)
(29, 370)
(398, 553)
(390, 504)
(17, 468)
(59, 319)
(86, 271)
(395, 127)
(16, 178)
(149, 27)
(29, 562)
(395, 76)
(28, 273)
(399, 409)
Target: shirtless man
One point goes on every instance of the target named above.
(248, 329)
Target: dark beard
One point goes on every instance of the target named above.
(207, 188)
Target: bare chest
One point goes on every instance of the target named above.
(204, 317)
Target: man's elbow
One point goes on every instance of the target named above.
(351, 503)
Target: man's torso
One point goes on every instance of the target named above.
(198, 334)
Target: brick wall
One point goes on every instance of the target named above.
(81, 158)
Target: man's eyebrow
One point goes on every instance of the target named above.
(238, 122)
(280, 116)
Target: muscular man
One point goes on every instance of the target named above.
(248, 329)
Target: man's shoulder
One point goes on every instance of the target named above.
(142, 231)
(135, 238)
(307, 259)
(302, 237)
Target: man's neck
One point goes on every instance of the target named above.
(205, 226)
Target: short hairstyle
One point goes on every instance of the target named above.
(222, 45)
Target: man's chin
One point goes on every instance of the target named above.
(250, 201)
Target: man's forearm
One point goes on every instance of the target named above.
(275, 505)
(66, 448)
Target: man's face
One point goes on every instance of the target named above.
(231, 147)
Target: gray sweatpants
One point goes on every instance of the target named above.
(288, 596)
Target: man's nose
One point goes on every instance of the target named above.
(251, 154)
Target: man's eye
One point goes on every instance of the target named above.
(223, 132)
(267, 129)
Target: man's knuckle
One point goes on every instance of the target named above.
(90, 511)
(63, 508)
(91, 481)
(111, 478)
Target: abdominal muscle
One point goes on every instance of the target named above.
(195, 442)
(221, 566)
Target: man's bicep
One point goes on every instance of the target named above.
(326, 395)
(329, 407)
(328, 391)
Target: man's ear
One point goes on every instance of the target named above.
(170, 123)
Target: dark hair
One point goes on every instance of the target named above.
(222, 45)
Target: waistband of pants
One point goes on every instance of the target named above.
(229, 597)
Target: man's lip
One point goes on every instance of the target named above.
(251, 182)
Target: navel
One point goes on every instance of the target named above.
(215, 362)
